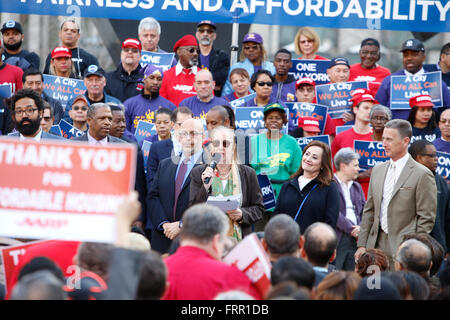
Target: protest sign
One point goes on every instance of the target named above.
(303, 141)
(404, 88)
(250, 257)
(241, 101)
(56, 130)
(253, 118)
(337, 96)
(144, 130)
(443, 167)
(5, 90)
(314, 69)
(267, 191)
(161, 60)
(145, 152)
(340, 129)
(303, 109)
(370, 152)
(63, 89)
(15, 257)
(55, 190)
(68, 131)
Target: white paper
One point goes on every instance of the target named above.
(225, 203)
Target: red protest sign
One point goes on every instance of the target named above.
(63, 190)
(15, 257)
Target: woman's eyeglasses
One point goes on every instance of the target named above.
(306, 41)
(225, 143)
(262, 83)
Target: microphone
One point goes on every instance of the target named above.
(215, 159)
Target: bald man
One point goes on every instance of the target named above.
(413, 255)
(169, 191)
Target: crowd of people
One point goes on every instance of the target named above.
(333, 227)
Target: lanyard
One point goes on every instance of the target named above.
(303, 202)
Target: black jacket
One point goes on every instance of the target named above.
(441, 229)
(24, 60)
(5, 119)
(322, 205)
(121, 85)
(58, 110)
(219, 65)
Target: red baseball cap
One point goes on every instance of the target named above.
(59, 52)
(361, 95)
(304, 80)
(309, 124)
(131, 43)
(185, 41)
(423, 101)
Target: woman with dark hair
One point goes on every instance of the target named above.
(261, 82)
(311, 195)
(240, 82)
(423, 119)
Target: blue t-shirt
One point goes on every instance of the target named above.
(421, 134)
(200, 108)
(442, 145)
(204, 61)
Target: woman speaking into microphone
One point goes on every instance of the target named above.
(228, 178)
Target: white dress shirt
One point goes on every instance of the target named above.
(349, 207)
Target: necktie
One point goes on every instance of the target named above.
(178, 185)
(389, 184)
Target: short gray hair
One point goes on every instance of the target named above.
(414, 256)
(39, 285)
(380, 107)
(345, 156)
(92, 110)
(202, 222)
(149, 23)
(403, 127)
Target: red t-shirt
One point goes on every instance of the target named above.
(11, 75)
(374, 76)
(176, 88)
(316, 58)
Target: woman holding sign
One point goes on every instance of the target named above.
(311, 195)
(225, 177)
(307, 43)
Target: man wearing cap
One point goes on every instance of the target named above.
(215, 60)
(423, 118)
(69, 35)
(144, 105)
(9, 74)
(368, 70)
(95, 82)
(413, 52)
(253, 57)
(126, 81)
(78, 112)
(12, 42)
(33, 79)
(178, 81)
(443, 65)
(204, 100)
(284, 86)
(61, 64)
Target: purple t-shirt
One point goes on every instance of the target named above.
(204, 61)
(200, 108)
(441, 145)
(140, 108)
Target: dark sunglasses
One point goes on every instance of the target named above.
(208, 31)
(47, 119)
(250, 47)
(225, 143)
(192, 50)
(76, 108)
(262, 83)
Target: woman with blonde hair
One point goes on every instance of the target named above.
(307, 43)
(61, 63)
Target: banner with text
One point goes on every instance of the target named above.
(303, 109)
(404, 88)
(370, 152)
(253, 118)
(144, 130)
(158, 59)
(443, 167)
(425, 16)
(267, 191)
(337, 96)
(60, 190)
(241, 101)
(303, 141)
(68, 131)
(63, 89)
(314, 69)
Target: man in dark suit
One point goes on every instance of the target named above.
(169, 191)
(27, 108)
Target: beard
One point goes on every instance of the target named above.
(29, 128)
(205, 41)
(193, 62)
(14, 46)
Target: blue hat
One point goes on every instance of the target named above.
(253, 37)
(11, 24)
(339, 61)
(94, 70)
(208, 22)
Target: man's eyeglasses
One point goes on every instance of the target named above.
(47, 119)
(192, 50)
(77, 108)
(250, 47)
(192, 134)
(431, 155)
(28, 111)
(445, 121)
(225, 143)
(208, 31)
(134, 50)
(262, 83)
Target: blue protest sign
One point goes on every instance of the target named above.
(303, 141)
(145, 152)
(55, 130)
(63, 89)
(443, 167)
(5, 90)
(370, 152)
(161, 60)
(404, 88)
(144, 129)
(303, 109)
(253, 118)
(337, 96)
(241, 101)
(267, 192)
(424, 16)
(314, 69)
(68, 131)
(340, 129)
